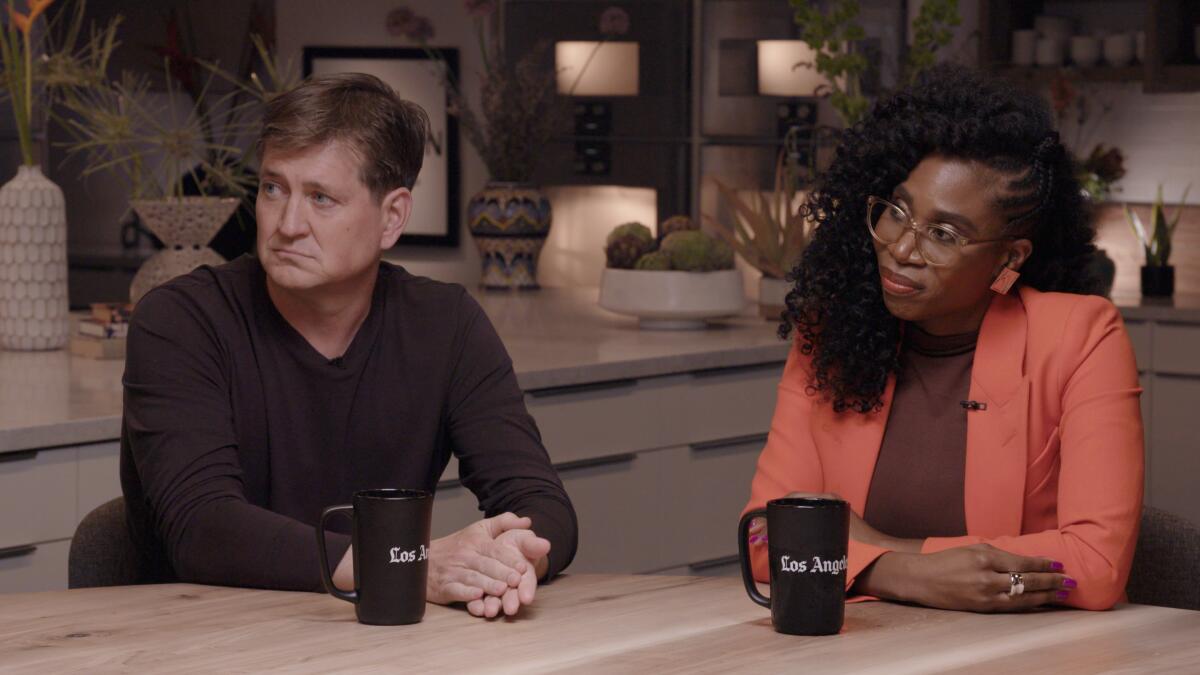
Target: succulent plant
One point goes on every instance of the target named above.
(676, 224)
(722, 255)
(696, 251)
(626, 243)
(657, 261)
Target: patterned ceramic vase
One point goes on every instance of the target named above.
(185, 225)
(33, 263)
(510, 223)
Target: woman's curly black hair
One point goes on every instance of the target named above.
(836, 305)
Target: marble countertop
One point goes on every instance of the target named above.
(1182, 308)
(556, 337)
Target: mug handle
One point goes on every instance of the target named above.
(744, 557)
(326, 577)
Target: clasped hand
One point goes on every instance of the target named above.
(492, 566)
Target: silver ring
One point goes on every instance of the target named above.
(1016, 584)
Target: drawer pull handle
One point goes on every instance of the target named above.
(582, 388)
(733, 370)
(727, 442)
(18, 456)
(624, 458)
(17, 551)
(715, 562)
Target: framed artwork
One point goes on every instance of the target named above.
(415, 77)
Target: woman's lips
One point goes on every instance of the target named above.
(896, 283)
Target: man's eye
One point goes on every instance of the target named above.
(322, 199)
(897, 214)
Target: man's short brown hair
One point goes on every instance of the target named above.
(387, 132)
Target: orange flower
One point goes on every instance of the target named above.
(21, 21)
(36, 7)
(25, 21)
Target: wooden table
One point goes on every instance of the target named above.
(579, 623)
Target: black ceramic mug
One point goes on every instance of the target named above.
(807, 542)
(390, 537)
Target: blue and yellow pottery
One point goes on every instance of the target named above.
(510, 223)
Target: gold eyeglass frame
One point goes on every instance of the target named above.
(921, 232)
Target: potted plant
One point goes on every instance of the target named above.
(510, 217)
(1158, 276)
(769, 232)
(675, 281)
(33, 221)
(184, 185)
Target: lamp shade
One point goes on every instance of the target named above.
(590, 68)
(787, 68)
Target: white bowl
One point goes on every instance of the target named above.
(1085, 50)
(1119, 49)
(1024, 47)
(1050, 51)
(672, 300)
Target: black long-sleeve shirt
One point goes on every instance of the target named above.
(237, 432)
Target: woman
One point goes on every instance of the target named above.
(978, 414)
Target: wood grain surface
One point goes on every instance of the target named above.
(579, 623)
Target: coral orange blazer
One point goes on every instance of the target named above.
(1054, 464)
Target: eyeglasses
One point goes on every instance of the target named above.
(938, 244)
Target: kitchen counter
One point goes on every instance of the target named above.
(556, 337)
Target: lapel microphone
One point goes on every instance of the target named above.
(973, 405)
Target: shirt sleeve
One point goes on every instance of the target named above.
(790, 463)
(499, 449)
(1100, 480)
(179, 425)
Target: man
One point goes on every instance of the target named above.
(261, 391)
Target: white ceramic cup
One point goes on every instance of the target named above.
(1085, 50)
(1049, 51)
(1054, 26)
(1024, 47)
(1118, 49)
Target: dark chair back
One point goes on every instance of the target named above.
(102, 552)
(1166, 565)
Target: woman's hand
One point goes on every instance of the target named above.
(972, 578)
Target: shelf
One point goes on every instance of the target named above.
(1047, 74)
(1177, 78)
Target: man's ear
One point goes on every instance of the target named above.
(396, 208)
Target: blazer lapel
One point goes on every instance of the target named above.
(855, 440)
(994, 491)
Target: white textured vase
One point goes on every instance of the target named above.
(185, 225)
(33, 263)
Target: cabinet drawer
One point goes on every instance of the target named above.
(37, 496)
(99, 476)
(610, 418)
(716, 480)
(1139, 335)
(38, 567)
(1177, 348)
(453, 509)
(731, 402)
(1175, 455)
(625, 523)
(634, 415)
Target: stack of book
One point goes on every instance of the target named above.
(102, 334)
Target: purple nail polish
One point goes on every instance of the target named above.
(754, 539)
(1056, 566)
(1070, 583)
(1062, 595)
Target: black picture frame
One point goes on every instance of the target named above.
(422, 85)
